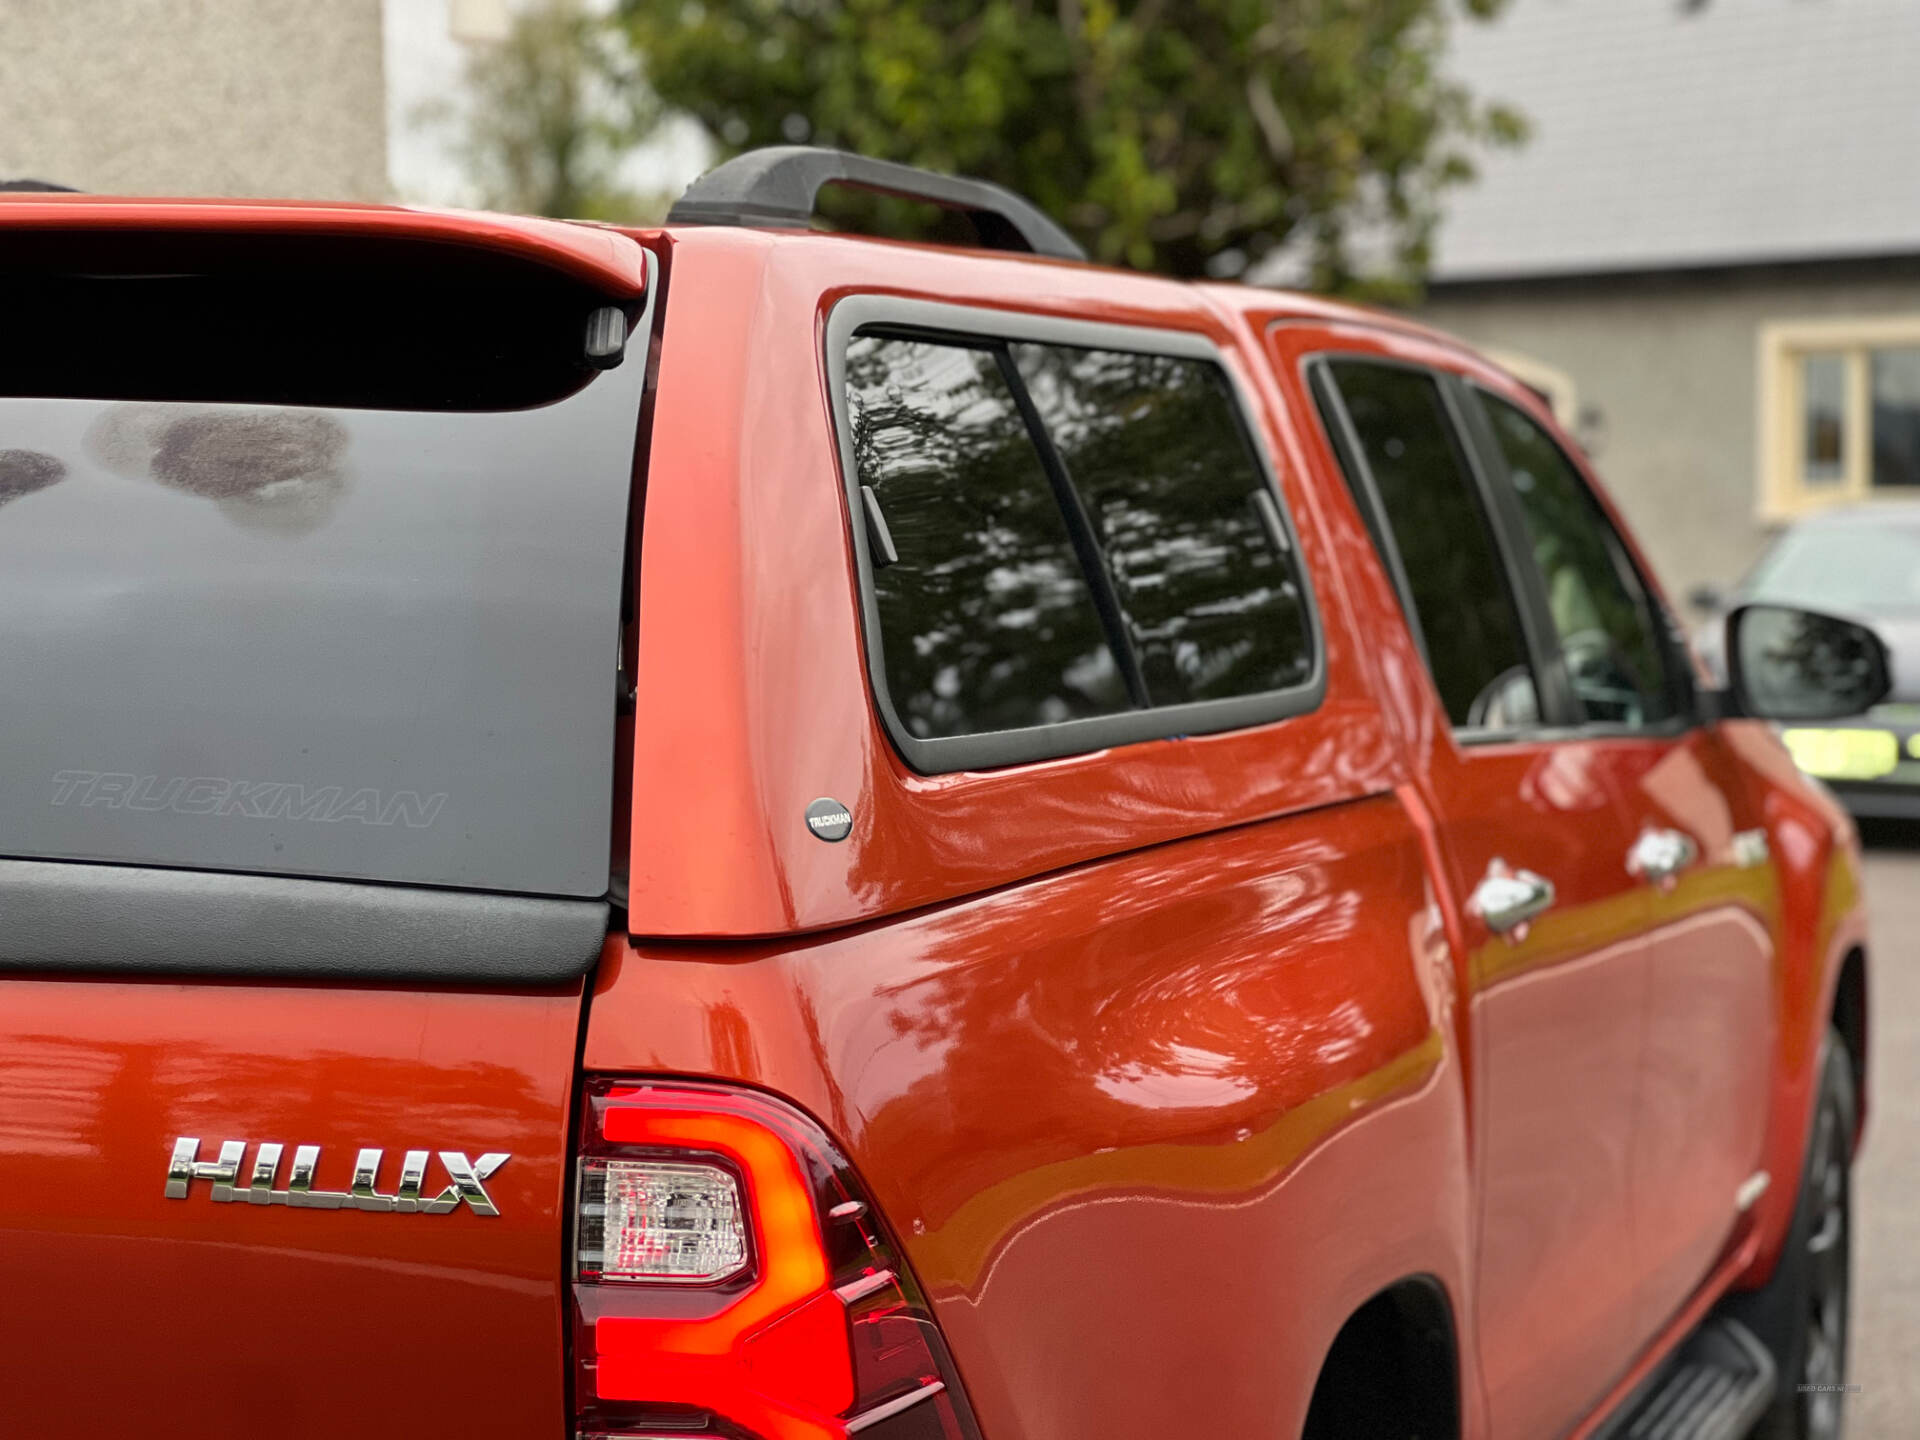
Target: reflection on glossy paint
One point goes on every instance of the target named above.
(1564, 778)
(53, 1088)
(1244, 1165)
(1683, 790)
(1184, 1025)
(1705, 1083)
(1180, 1077)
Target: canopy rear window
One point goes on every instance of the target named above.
(310, 558)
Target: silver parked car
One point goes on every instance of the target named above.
(1860, 561)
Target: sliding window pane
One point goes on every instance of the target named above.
(986, 619)
(1156, 451)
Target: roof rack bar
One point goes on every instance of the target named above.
(777, 188)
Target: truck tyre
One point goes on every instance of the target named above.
(1802, 1311)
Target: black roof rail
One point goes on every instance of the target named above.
(23, 185)
(777, 187)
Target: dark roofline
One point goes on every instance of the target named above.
(1676, 274)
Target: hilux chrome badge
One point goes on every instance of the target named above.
(224, 1174)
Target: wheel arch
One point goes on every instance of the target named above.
(1394, 1367)
(1848, 1016)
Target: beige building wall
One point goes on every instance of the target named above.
(195, 97)
(1670, 366)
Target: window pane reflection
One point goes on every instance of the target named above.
(1157, 455)
(1459, 591)
(986, 620)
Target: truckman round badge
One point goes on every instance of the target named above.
(829, 819)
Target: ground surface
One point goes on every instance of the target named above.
(1885, 1363)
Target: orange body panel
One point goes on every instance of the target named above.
(749, 657)
(1122, 1117)
(196, 1317)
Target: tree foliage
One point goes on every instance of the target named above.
(1188, 136)
(553, 110)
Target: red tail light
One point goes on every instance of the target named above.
(730, 1280)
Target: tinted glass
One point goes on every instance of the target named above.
(383, 324)
(1153, 444)
(986, 619)
(356, 643)
(1458, 589)
(1605, 619)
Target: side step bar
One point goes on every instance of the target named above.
(1716, 1387)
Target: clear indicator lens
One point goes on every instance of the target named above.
(660, 1220)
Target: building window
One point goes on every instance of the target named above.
(1839, 413)
(1823, 420)
(1896, 417)
(1554, 386)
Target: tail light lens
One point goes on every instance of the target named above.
(731, 1280)
(660, 1220)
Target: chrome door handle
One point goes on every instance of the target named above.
(1507, 898)
(1659, 855)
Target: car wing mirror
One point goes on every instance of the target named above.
(1784, 663)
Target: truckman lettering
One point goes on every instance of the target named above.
(253, 799)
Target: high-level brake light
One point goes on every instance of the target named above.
(731, 1281)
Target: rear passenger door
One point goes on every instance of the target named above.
(1535, 835)
(1708, 1048)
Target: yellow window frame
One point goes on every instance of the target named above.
(1784, 493)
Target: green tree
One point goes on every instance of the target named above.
(553, 110)
(1187, 136)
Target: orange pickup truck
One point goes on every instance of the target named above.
(728, 831)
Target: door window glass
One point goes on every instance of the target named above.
(1609, 635)
(987, 621)
(1184, 516)
(1457, 588)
